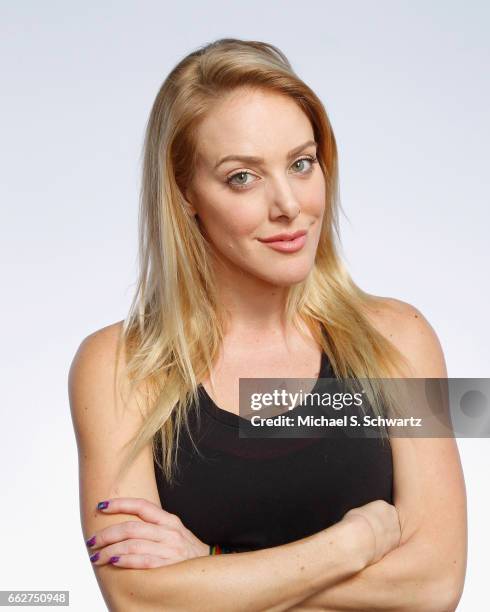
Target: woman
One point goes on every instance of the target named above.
(239, 150)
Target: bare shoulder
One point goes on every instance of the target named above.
(91, 381)
(410, 331)
(103, 432)
(99, 345)
(102, 411)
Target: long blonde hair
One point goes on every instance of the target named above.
(174, 329)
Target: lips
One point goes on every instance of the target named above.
(287, 246)
(283, 236)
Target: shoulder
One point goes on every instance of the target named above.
(102, 411)
(91, 376)
(104, 425)
(98, 348)
(95, 358)
(409, 330)
(98, 388)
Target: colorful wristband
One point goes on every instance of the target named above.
(217, 549)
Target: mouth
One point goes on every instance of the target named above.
(284, 236)
(291, 245)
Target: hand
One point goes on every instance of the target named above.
(383, 521)
(158, 539)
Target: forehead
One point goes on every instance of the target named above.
(265, 124)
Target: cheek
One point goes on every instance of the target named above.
(236, 220)
(315, 195)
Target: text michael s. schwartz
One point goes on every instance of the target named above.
(323, 421)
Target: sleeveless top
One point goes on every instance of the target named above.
(254, 493)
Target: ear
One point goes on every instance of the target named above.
(191, 211)
(189, 208)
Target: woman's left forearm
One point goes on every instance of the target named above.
(411, 578)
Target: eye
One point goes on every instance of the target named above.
(308, 158)
(243, 173)
(240, 175)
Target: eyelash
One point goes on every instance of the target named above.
(313, 159)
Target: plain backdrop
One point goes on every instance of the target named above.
(405, 84)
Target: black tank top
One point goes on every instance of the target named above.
(253, 493)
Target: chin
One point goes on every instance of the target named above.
(287, 278)
(288, 283)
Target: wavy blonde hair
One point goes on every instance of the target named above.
(174, 329)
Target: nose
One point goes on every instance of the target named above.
(283, 201)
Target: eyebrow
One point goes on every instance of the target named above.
(257, 160)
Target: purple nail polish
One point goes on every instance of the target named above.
(95, 557)
(114, 559)
(90, 542)
(102, 505)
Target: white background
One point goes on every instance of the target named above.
(407, 91)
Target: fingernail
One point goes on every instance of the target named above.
(102, 505)
(114, 559)
(90, 542)
(95, 557)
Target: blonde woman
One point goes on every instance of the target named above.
(240, 277)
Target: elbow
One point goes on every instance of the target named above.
(120, 588)
(136, 590)
(444, 576)
(454, 591)
(442, 596)
(113, 588)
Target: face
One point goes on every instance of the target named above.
(241, 202)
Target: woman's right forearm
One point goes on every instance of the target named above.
(272, 579)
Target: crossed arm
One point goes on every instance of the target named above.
(426, 572)
(328, 571)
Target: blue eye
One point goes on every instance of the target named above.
(303, 159)
(240, 175)
(244, 173)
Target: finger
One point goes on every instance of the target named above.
(146, 510)
(127, 530)
(139, 548)
(140, 561)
